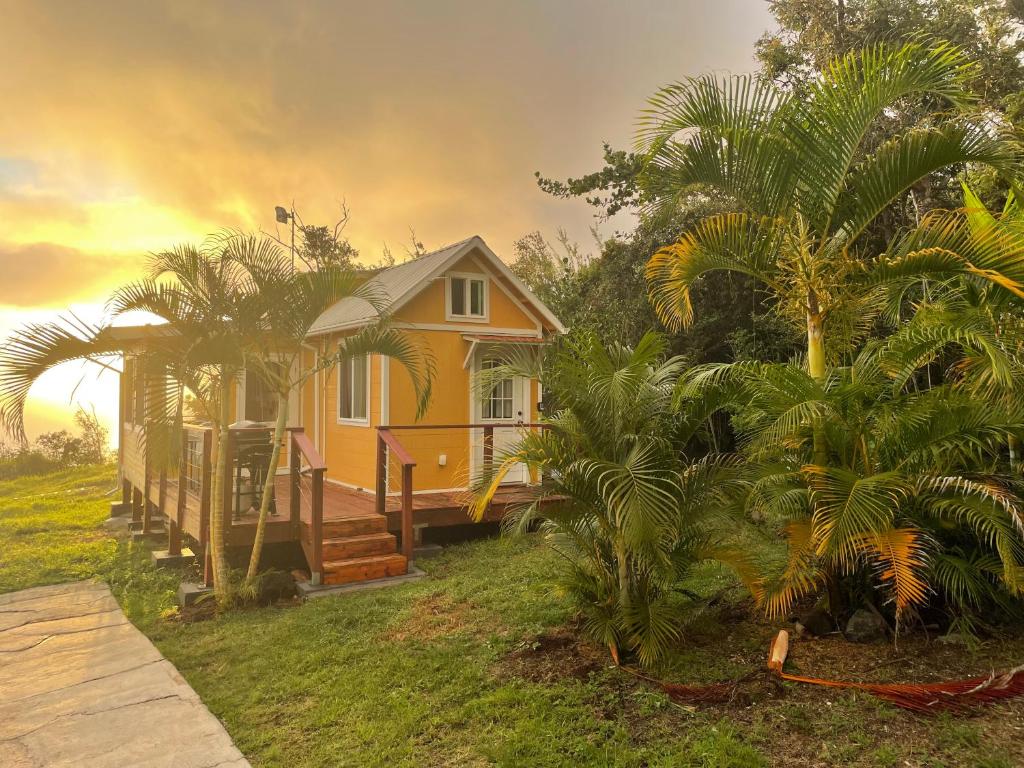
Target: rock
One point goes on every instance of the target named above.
(817, 622)
(865, 626)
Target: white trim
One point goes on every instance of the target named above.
(343, 484)
(316, 394)
(352, 422)
(519, 305)
(385, 411)
(395, 494)
(468, 329)
(466, 247)
(469, 277)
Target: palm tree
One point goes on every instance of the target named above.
(290, 304)
(619, 500)
(208, 316)
(907, 482)
(807, 185)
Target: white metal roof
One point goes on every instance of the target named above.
(394, 286)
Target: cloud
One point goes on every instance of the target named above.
(45, 274)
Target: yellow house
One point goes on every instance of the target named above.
(360, 469)
(465, 305)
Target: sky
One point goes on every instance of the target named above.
(129, 127)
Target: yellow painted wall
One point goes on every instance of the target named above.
(350, 450)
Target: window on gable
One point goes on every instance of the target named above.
(353, 389)
(467, 296)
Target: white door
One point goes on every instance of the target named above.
(257, 402)
(504, 404)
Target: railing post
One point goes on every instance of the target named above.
(205, 504)
(228, 489)
(317, 569)
(147, 513)
(407, 513)
(174, 523)
(488, 450)
(294, 467)
(382, 474)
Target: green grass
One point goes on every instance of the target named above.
(449, 671)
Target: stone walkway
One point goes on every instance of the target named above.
(80, 686)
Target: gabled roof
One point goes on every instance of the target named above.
(395, 286)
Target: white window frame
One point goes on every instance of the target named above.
(359, 422)
(467, 276)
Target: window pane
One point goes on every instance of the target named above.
(458, 295)
(345, 389)
(359, 387)
(476, 298)
(260, 400)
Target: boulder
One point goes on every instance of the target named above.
(865, 626)
(816, 622)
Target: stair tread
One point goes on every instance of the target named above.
(366, 559)
(376, 536)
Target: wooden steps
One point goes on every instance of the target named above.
(364, 568)
(367, 545)
(359, 548)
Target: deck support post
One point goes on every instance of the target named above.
(175, 522)
(126, 494)
(317, 567)
(382, 475)
(204, 507)
(147, 504)
(407, 534)
(229, 490)
(136, 505)
(294, 468)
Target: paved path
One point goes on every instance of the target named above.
(80, 686)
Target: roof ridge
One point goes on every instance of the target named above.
(434, 252)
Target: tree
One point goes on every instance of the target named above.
(801, 188)
(291, 302)
(905, 489)
(619, 500)
(811, 33)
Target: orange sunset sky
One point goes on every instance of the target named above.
(132, 126)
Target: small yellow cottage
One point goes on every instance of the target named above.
(467, 307)
(360, 470)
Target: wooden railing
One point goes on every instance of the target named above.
(387, 443)
(306, 500)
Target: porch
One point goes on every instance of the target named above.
(346, 534)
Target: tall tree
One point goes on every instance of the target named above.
(800, 186)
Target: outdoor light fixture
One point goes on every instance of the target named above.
(282, 215)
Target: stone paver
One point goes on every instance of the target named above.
(80, 686)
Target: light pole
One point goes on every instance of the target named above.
(283, 215)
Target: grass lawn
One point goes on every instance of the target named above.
(477, 665)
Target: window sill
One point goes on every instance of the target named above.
(467, 318)
(353, 422)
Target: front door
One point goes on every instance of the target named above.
(502, 404)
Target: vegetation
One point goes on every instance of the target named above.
(56, 450)
(621, 503)
(477, 665)
(231, 304)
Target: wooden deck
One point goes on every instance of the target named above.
(429, 508)
(344, 533)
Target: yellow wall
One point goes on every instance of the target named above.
(350, 450)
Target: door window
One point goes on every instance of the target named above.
(498, 401)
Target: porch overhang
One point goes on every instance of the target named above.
(475, 339)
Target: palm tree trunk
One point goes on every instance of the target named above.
(220, 580)
(269, 486)
(816, 366)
